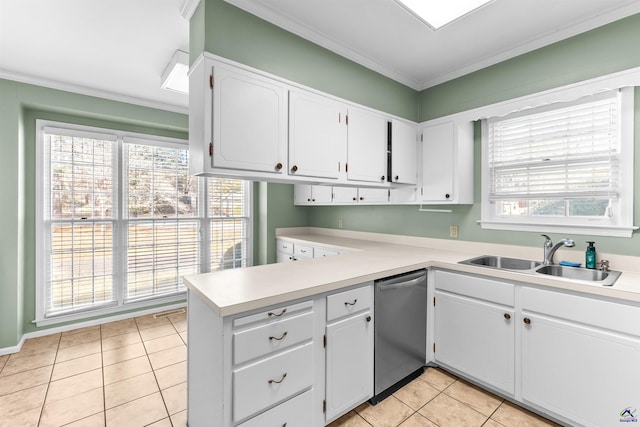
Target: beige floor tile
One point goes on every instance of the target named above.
(3, 360)
(130, 389)
(388, 413)
(96, 420)
(350, 419)
(118, 328)
(121, 340)
(123, 353)
(74, 408)
(171, 375)
(163, 343)
(417, 420)
(26, 363)
(183, 335)
(76, 366)
(72, 386)
(180, 419)
(146, 322)
(140, 412)
(168, 357)
(77, 351)
(165, 422)
(478, 399)
(38, 345)
(24, 380)
(445, 411)
(157, 332)
(178, 317)
(492, 423)
(416, 394)
(81, 330)
(22, 401)
(28, 418)
(180, 325)
(175, 398)
(127, 369)
(438, 378)
(511, 415)
(85, 335)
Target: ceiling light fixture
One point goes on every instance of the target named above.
(438, 13)
(175, 76)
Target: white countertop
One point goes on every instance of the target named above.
(235, 291)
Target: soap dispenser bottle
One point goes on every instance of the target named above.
(590, 256)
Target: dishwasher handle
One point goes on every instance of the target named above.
(402, 284)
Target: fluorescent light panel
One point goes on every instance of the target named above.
(438, 13)
(175, 76)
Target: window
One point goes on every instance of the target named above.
(566, 167)
(121, 221)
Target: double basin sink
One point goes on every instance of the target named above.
(573, 274)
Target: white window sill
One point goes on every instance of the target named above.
(582, 229)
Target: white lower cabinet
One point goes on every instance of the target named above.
(293, 413)
(474, 328)
(349, 350)
(580, 357)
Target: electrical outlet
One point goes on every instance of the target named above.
(453, 231)
(340, 223)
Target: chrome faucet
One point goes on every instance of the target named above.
(550, 249)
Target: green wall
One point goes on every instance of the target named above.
(20, 106)
(605, 50)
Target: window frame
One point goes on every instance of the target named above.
(619, 225)
(120, 220)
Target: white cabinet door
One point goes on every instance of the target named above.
(437, 162)
(249, 121)
(317, 135)
(586, 374)
(349, 364)
(403, 195)
(305, 194)
(404, 157)
(345, 195)
(373, 195)
(366, 146)
(321, 194)
(302, 194)
(477, 338)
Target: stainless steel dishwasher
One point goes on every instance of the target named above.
(400, 331)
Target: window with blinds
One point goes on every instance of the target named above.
(560, 164)
(124, 221)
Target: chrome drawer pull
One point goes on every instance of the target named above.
(278, 381)
(278, 339)
(284, 310)
(352, 303)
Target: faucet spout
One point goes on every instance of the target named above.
(550, 249)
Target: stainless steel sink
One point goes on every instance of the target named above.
(604, 278)
(502, 263)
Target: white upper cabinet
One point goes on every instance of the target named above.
(404, 159)
(305, 194)
(317, 135)
(447, 162)
(366, 146)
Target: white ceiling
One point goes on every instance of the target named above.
(118, 49)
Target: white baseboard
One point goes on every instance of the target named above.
(93, 322)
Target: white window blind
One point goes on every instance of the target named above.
(561, 161)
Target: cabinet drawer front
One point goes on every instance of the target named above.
(264, 339)
(476, 287)
(270, 381)
(348, 302)
(294, 412)
(274, 314)
(589, 311)
(303, 251)
(286, 247)
(322, 252)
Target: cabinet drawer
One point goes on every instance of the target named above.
(348, 302)
(264, 339)
(302, 251)
(274, 314)
(286, 247)
(476, 287)
(294, 412)
(322, 252)
(272, 380)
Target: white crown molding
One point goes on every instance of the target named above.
(188, 8)
(83, 90)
